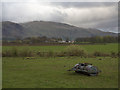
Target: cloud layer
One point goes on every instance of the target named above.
(88, 14)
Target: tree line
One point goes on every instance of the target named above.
(44, 39)
(99, 39)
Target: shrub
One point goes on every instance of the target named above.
(118, 54)
(26, 53)
(39, 53)
(50, 54)
(97, 53)
(113, 54)
(61, 54)
(46, 54)
(14, 52)
(105, 54)
(10, 53)
(6, 53)
(75, 50)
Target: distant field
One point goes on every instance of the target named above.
(107, 48)
(51, 73)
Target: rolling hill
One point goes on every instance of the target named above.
(11, 31)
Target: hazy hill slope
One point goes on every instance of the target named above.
(12, 30)
(49, 29)
(52, 29)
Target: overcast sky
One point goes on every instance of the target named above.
(101, 15)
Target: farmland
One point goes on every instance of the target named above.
(51, 72)
(89, 48)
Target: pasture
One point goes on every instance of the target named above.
(89, 48)
(51, 72)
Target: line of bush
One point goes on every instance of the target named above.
(72, 50)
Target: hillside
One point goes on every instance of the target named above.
(12, 31)
(46, 28)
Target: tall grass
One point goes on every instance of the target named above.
(114, 54)
(100, 54)
(75, 50)
(27, 53)
(71, 50)
(118, 54)
(15, 52)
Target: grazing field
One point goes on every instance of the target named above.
(51, 72)
(89, 48)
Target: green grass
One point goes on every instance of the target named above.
(89, 48)
(51, 73)
(102, 48)
(0, 72)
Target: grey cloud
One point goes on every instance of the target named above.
(89, 14)
(83, 4)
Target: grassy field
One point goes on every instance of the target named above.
(107, 48)
(44, 72)
(52, 73)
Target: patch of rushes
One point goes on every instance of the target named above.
(71, 50)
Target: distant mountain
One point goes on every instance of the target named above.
(12, 30)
